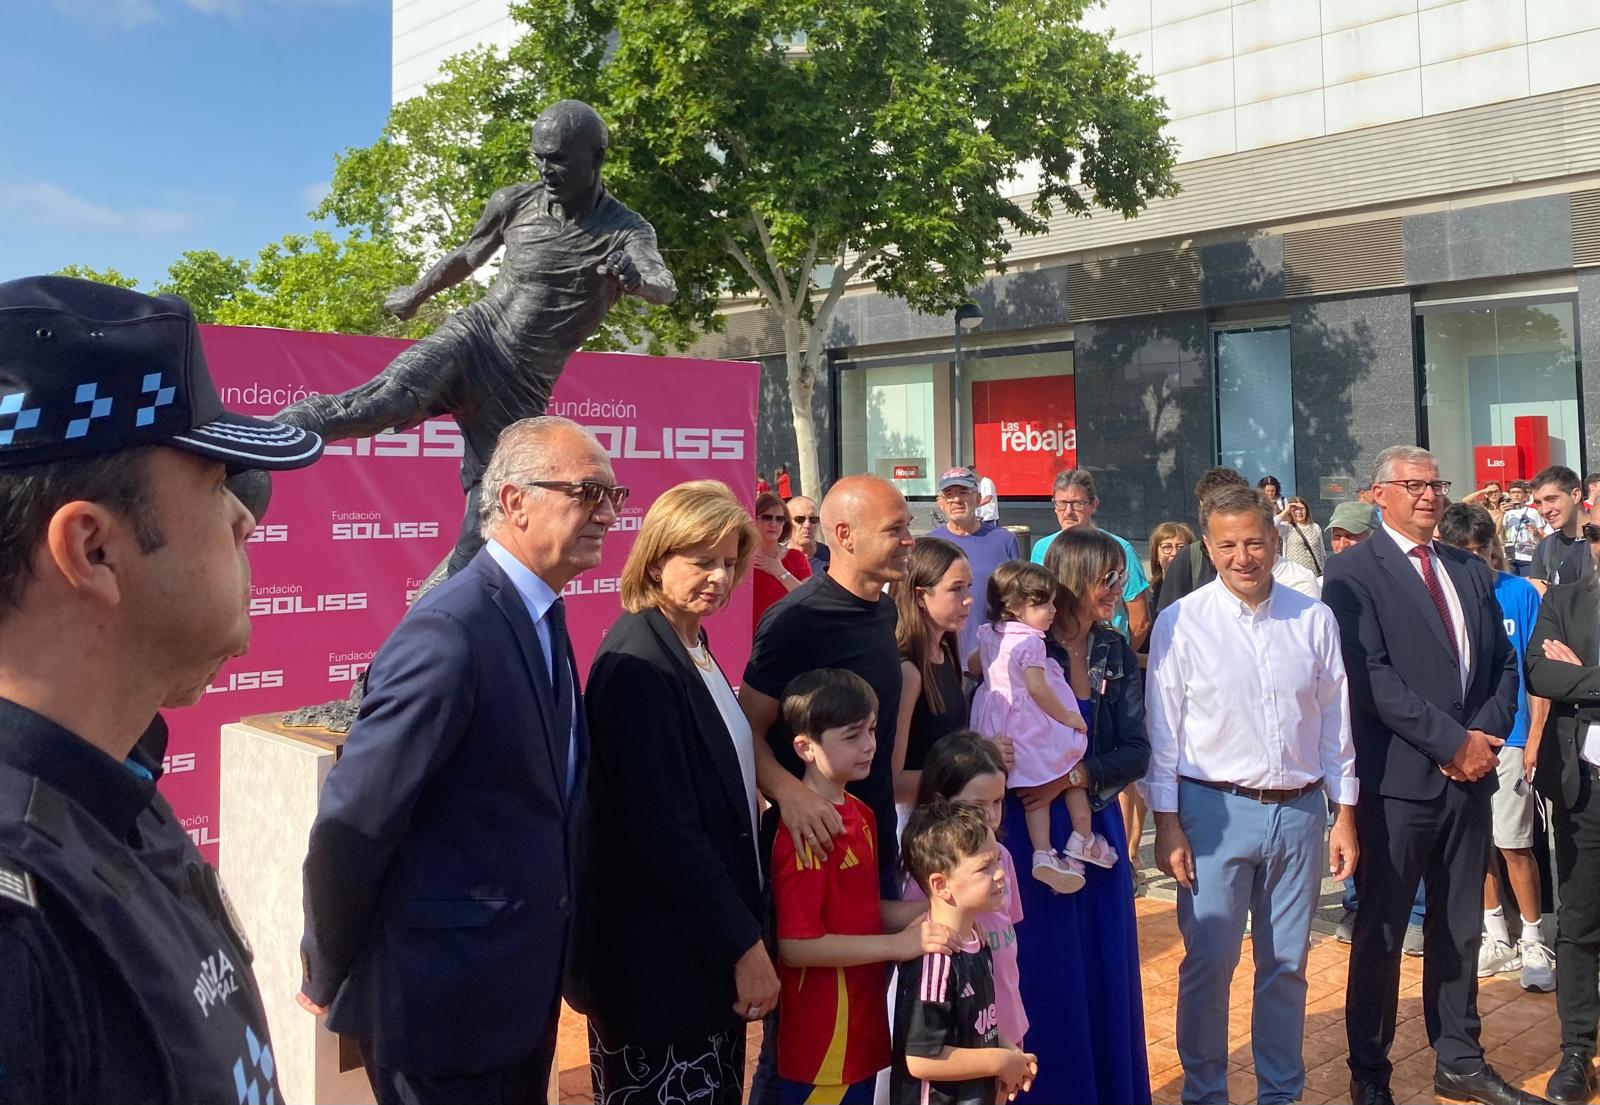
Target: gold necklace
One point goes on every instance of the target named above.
(694, 654)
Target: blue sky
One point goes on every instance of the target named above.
(136, 129)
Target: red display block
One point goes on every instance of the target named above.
(1533, 444)
(1494, 462)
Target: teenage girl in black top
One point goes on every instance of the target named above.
(933, 601)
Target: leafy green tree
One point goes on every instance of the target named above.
(319, 282)
(789, 149)
(103, 276)
(207, 280)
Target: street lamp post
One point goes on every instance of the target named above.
(969, 316)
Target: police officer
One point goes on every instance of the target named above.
(123, 589)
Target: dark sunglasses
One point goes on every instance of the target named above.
(1591, 532)
(802, 519)
(587, 492)
(775, 519)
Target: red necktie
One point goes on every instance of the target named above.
(1436, 592)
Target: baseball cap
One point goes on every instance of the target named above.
(957, 477)
(1352, 517)
(87, 369)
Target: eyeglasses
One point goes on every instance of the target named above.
(805, 519)
(587, 492)
(1112, 581)
(1591, 532)
(1072, 504)
(775, 519)
(1415, 488)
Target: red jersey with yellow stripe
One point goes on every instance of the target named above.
(833, 1022)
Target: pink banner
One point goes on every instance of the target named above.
(347, 542)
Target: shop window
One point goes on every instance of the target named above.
(1255, 404)
(887, 423)
(1019, 418)
(1500, 389)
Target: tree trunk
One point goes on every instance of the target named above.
(802, 384)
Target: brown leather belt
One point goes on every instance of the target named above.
(1269, 796)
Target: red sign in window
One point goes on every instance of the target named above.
(908, 471)
(1024, 431)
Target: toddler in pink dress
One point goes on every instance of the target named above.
(1025, 696)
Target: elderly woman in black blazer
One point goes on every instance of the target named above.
(671, 967)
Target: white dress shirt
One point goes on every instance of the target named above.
(1451, 599)
(1255, 698)
(538, 597)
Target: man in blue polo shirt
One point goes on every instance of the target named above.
(1075, 504)
(987, 545)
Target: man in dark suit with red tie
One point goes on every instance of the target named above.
(1433, 694)
(440, 883)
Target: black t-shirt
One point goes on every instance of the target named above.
(928, 726)
(821, 625)
(944, 1001)
(1548, 556)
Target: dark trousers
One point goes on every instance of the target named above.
(1444, 841)
(526, 1082)
(1577, 833)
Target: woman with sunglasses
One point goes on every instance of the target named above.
(778, 568)
(1084, 980)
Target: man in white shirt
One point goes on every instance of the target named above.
(1241, 754)
(1524, 528)
(988, 498)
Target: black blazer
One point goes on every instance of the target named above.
(1569, 614)
(1408, 713)
(675, 889)
(439, 884)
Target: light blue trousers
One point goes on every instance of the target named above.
(1265, 860)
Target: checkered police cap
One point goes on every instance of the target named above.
(86, 369)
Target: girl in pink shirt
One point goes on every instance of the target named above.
(965, 767)
(1025, 696)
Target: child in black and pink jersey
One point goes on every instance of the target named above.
(947, 1044)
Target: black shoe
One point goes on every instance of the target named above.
(1370, 1093)
(1573, 1081)
(1485, 1086)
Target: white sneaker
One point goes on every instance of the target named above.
(1538, 968)
(1496, 956)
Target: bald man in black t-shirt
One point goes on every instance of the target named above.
(843, 619)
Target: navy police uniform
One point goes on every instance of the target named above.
(123, 976)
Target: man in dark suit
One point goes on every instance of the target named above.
(440, 882)
(1562, 667)
(1433, 693)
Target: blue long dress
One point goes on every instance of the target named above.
(1078, 955)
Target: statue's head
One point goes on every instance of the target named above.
(569, 146)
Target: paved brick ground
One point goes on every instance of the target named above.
(1520, 1029)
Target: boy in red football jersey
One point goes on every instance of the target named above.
(834, 934)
